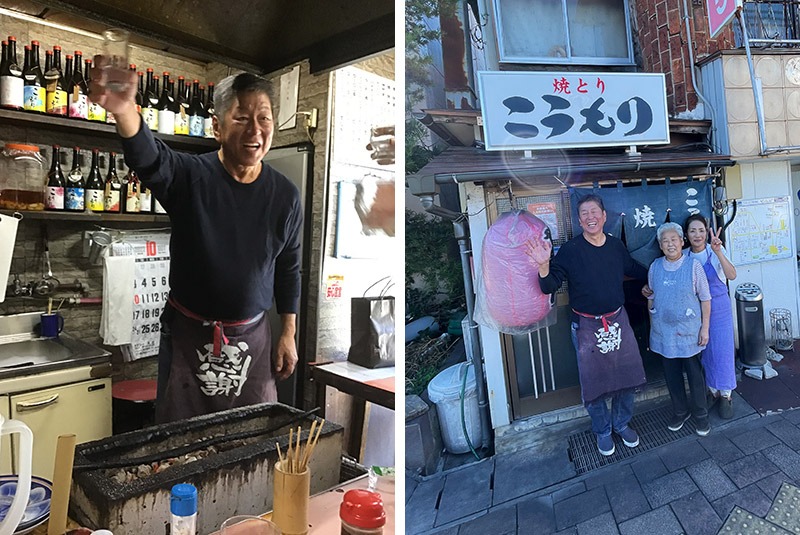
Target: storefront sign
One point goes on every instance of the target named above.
(556, 110)
(720, 12)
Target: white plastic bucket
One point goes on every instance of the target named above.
(445, 392)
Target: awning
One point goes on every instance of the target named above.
(469, 164)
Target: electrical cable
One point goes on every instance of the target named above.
(463, 418)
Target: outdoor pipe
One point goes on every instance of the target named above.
(560, 170)
(461, 231)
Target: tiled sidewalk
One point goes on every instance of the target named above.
(689, 486)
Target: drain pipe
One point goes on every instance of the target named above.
(690, 43)
(461, 231)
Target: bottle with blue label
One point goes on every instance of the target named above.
(35, 90)
(74, 197)
(183, 506)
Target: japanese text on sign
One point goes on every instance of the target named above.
(538, 110)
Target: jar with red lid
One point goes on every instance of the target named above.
(362, 513)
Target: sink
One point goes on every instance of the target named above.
(37, 355)
(32, 352)
(23, 352)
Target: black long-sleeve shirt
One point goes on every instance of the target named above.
(234, 246)
(594, 274)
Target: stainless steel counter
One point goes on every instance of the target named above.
(23, 352)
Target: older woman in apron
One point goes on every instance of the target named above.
(680, 307)
(718, 356)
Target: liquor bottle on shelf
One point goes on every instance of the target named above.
(95, 112)
(140, 92)
(12, 94)
(74, 198)
(181, 109)
(145, 199)
(208, 125)
(166, 112)
(34, 90)
(132, 190)
(197, 113)
(54, 199)
(78, 106)
(95, 189)
(150, 102)
(56, 86)
(113, 185)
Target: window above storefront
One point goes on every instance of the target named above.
(564, 32)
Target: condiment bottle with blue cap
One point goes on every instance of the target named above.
(183, 506)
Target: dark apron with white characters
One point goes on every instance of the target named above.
(204, 378)
(608, 355)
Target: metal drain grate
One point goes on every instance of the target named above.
(653, 432)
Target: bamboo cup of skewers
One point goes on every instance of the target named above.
(292, 482)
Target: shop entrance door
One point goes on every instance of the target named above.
(542, 369)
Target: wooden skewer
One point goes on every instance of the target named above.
(288, 467)
(304, 459)
(310, 449)
(297, 451)
(280, 455)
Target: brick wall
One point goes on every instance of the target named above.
(662, 46)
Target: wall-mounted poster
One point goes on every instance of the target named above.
(761, 231)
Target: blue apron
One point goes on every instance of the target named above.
(675, 318)
(718, 356)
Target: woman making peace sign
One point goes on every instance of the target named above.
(718, 356)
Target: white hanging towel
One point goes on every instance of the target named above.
(8, 235)
(116, 324)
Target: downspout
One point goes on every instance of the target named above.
(461, 231)
(691, 69)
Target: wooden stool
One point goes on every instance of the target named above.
(134, 404)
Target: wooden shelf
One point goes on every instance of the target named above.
(90, 217)
(108, 131)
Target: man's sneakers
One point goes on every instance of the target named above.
(629, 437)
(605, 445)
(677, 421)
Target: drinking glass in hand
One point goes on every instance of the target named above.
(116, 76)
(248, 525)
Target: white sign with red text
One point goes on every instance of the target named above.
(558, 110)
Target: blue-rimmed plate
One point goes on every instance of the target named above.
(38, 509)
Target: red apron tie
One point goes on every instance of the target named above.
(218, 336)
(602, 317)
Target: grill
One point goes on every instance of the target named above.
(235, 478)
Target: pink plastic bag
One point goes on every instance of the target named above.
(509, 298)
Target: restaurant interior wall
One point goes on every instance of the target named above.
(65, 238)
(358, 274)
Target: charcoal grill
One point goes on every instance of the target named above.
(237, 480)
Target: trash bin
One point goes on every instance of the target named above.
(780, 319)
(750, 321)
(445, 392)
